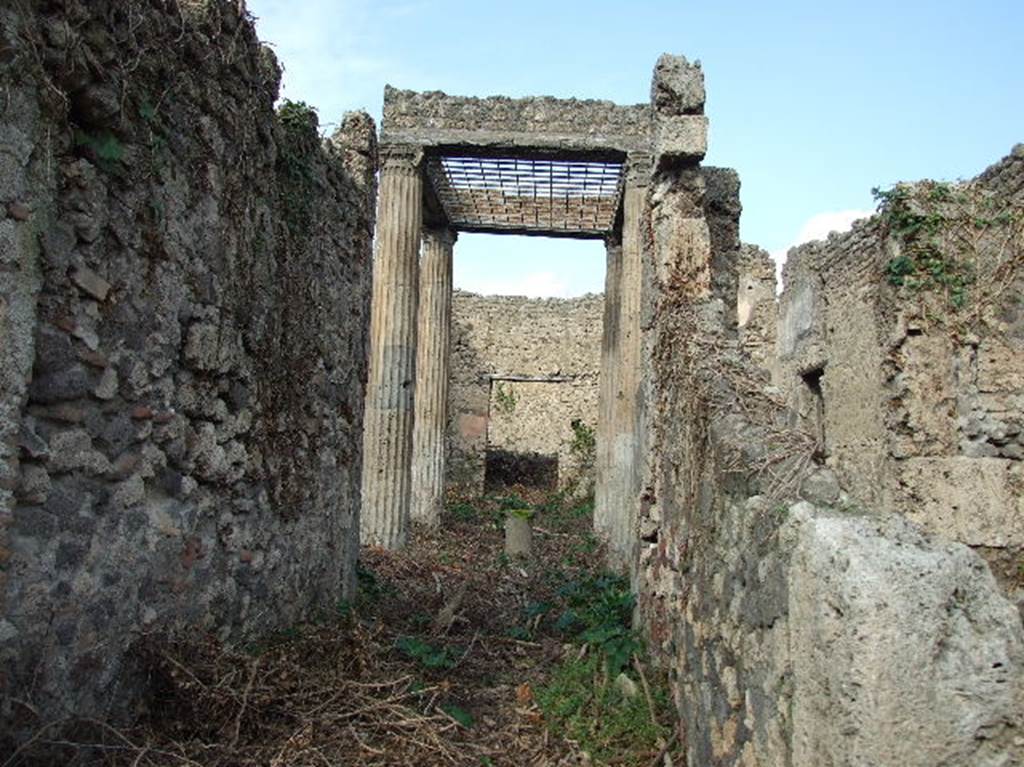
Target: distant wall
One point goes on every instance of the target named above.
(554, 342)
(183, 327)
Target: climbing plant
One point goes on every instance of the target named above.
(961, 243)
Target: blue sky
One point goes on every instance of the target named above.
(814, 103)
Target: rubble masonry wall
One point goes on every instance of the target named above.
(183, 329)
(556, 340)
(798, 626)
(921, 400)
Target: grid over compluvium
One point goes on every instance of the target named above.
(528, 195)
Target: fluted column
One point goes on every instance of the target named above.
(607, 385)
(387, 434)
(435, 318)
(625, 458)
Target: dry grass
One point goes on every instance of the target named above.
(341, 691)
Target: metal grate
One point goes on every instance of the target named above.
(528, 196)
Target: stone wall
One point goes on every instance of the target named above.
(554, 342)
(756, 309)
(918, 401)
(799, 626)
(183, 313)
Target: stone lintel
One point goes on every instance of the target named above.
(573, 234)
(434, 119)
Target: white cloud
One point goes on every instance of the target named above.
(818, 227)
(334, 55)
(531, 285)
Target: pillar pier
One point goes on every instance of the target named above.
(625, 455)
(607, 384)
(435, 318)
(387, 434)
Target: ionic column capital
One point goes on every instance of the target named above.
(400, 158)
(440, 236)
(637, 169)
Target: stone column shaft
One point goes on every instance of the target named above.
(435, 319)
(607, 385)
(625, 459)
(387, 434)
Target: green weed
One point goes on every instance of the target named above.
(932, 222)
(505, 399)
(426, 654)
(459, 714)
(464, 512)
(599, 613)
(579, 705)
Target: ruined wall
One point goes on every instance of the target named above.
(183, 312)
(722, 209)
(854, 435)
(914, 321)
(756, 309)
(558, 342)
(799, 627)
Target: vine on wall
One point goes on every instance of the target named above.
(960, 243)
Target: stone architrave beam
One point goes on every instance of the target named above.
(435, 119)
(433, 352)
(387, 443)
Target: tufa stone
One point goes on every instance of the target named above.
(627, 687)
(31, 444)
(60, 386)
(35, 484)
(91, 283)
(72, 450)
(518, 536)
(680, 138)
(677, 87)
(820, 488)
(19, 211)
(107, 387)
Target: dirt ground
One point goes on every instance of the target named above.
(441, 660)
